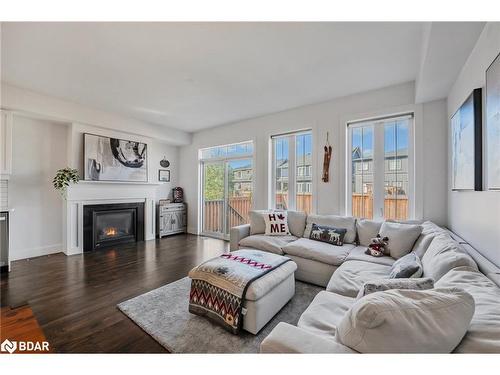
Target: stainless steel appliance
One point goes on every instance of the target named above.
(4, 242)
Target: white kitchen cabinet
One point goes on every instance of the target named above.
(6, 119)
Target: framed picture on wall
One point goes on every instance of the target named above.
(493, 125)
(113, 159)
(466, 144)
(164, 175)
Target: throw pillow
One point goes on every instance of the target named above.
(331, 235)
(402, 237)
(407, 267)
(257, 222)
(367, 229)
(334, 221)
(276, 224)
(407, 321)
(388, 284)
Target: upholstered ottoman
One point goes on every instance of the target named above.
(263, 296)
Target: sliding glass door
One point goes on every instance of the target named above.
(227, 188)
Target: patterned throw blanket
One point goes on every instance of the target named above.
(218, 286)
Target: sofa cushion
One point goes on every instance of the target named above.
(367, 229)
(483, 335)
(257, 222)
(325, 313)
(443, 255)
(406, 267)
(358, 253)
(330, 235)
(402, 237)
(273, 244)
(297, 222)
(346, 222)
(388, 284)
(276, 224)
(351, 275)
(429, 231)
(320, 251)
(407, 321)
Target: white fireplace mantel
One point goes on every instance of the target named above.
(90, 192)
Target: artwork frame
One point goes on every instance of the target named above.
(164, 175)
(109, 159)
(466, 144)
(492, 128)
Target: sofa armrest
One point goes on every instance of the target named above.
(286, 338)
(236, 234)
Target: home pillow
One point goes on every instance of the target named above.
(276, 224)
(407, 321)
(367, 229)
(402, 237)
(407, 267)
(388, 284)
(331, 235)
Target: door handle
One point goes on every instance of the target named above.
(3, 218)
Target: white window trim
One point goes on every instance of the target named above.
(378, 165)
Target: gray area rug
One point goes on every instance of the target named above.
(163, 314)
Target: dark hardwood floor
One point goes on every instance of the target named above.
(74, 298)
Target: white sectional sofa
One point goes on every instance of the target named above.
(343, 270)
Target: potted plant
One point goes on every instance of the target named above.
(63, 178)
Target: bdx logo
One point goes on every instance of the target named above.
(24, 346)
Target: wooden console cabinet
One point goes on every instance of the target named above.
(172, 218)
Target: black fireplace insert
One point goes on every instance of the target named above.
(106, 225)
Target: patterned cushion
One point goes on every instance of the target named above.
(276, 224)
(331, 235)
(388, 284)
(407, 267)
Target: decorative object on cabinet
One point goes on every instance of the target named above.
(164, 175)
(172, 218)
(6, 120)
(326, 159)
(466, 144)
(164, 163)
(63, 178)
(178, 195)
(113, 159)
(493, 124)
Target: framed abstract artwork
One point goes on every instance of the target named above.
(466, 145)
(113, 159)
(493, 125)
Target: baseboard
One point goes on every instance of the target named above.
(19, 254)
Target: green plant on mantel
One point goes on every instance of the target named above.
(63, 178)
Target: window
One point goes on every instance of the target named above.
(227, 186)
(380, 156)
(292, 171)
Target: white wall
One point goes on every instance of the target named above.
(328, 116)
(475, 216)
(39, 149)
(48, 135)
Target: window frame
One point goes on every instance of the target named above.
(378, 166)
(292, 172)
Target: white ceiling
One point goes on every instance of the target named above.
(192, 76)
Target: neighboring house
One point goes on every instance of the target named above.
(395, 176)
(242, 181)
(303, 175)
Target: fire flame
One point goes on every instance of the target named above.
(110, 231)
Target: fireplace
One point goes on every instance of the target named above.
(106, 225)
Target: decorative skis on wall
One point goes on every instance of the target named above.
(326, 159)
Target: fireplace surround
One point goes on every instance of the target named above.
(106, 225)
